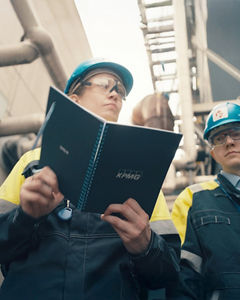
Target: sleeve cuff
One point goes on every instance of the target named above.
(150, 251)
(21, 218)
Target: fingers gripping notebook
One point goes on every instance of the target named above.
(98, 162)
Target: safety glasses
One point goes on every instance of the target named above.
(220, 138)
(106, 85)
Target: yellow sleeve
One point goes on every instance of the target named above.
(180, 211)
(160, 211)
(10, 189)
(184, 202)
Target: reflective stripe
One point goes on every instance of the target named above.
(6, 206)
(163, 227)
(208, 185)
(196, 188)
(194, 260)
(215, 295)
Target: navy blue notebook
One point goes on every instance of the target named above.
(98, 162)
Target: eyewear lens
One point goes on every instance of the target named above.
(220, 138)
(107, 85)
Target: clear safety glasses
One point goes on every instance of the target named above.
(220, 138)
(106, 85)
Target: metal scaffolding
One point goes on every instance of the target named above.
(176, 40)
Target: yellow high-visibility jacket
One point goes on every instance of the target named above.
(184, 202)
(16, 179)
(83, 257)
(207, 216)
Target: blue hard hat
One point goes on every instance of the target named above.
(221, 114)
(92, 64)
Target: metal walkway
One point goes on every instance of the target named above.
(157, 25)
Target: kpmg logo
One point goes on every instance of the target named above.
(129, 174)
(64, 150)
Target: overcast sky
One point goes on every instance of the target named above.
(113, 31)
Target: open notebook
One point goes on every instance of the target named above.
(98, 162)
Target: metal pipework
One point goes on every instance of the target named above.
(23, 53)
(35, 42)
(184, 83)
(21, 124)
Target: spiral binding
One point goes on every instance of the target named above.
(92, 166)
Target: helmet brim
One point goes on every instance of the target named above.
(120, 70)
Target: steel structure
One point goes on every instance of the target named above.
(175, 36)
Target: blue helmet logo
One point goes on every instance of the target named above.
(222, 114)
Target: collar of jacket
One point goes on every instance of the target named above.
(229, 189)
(234, 179)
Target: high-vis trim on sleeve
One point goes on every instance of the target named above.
(6, 206)
(195, 261)
(184, 202)
(163, 227)
(160, 211)
(209, 185)
(196, 188)
(215, 295)
(10, 189)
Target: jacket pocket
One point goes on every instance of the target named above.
(203, 220)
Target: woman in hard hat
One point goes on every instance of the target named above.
(47, 256)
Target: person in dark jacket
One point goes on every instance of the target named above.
(207, 217)
(85, 256)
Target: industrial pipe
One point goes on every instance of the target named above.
(38, 43)
(23, 53)
(21, 124)
(185, 94)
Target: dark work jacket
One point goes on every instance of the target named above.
(210, 255)
(82, 258)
